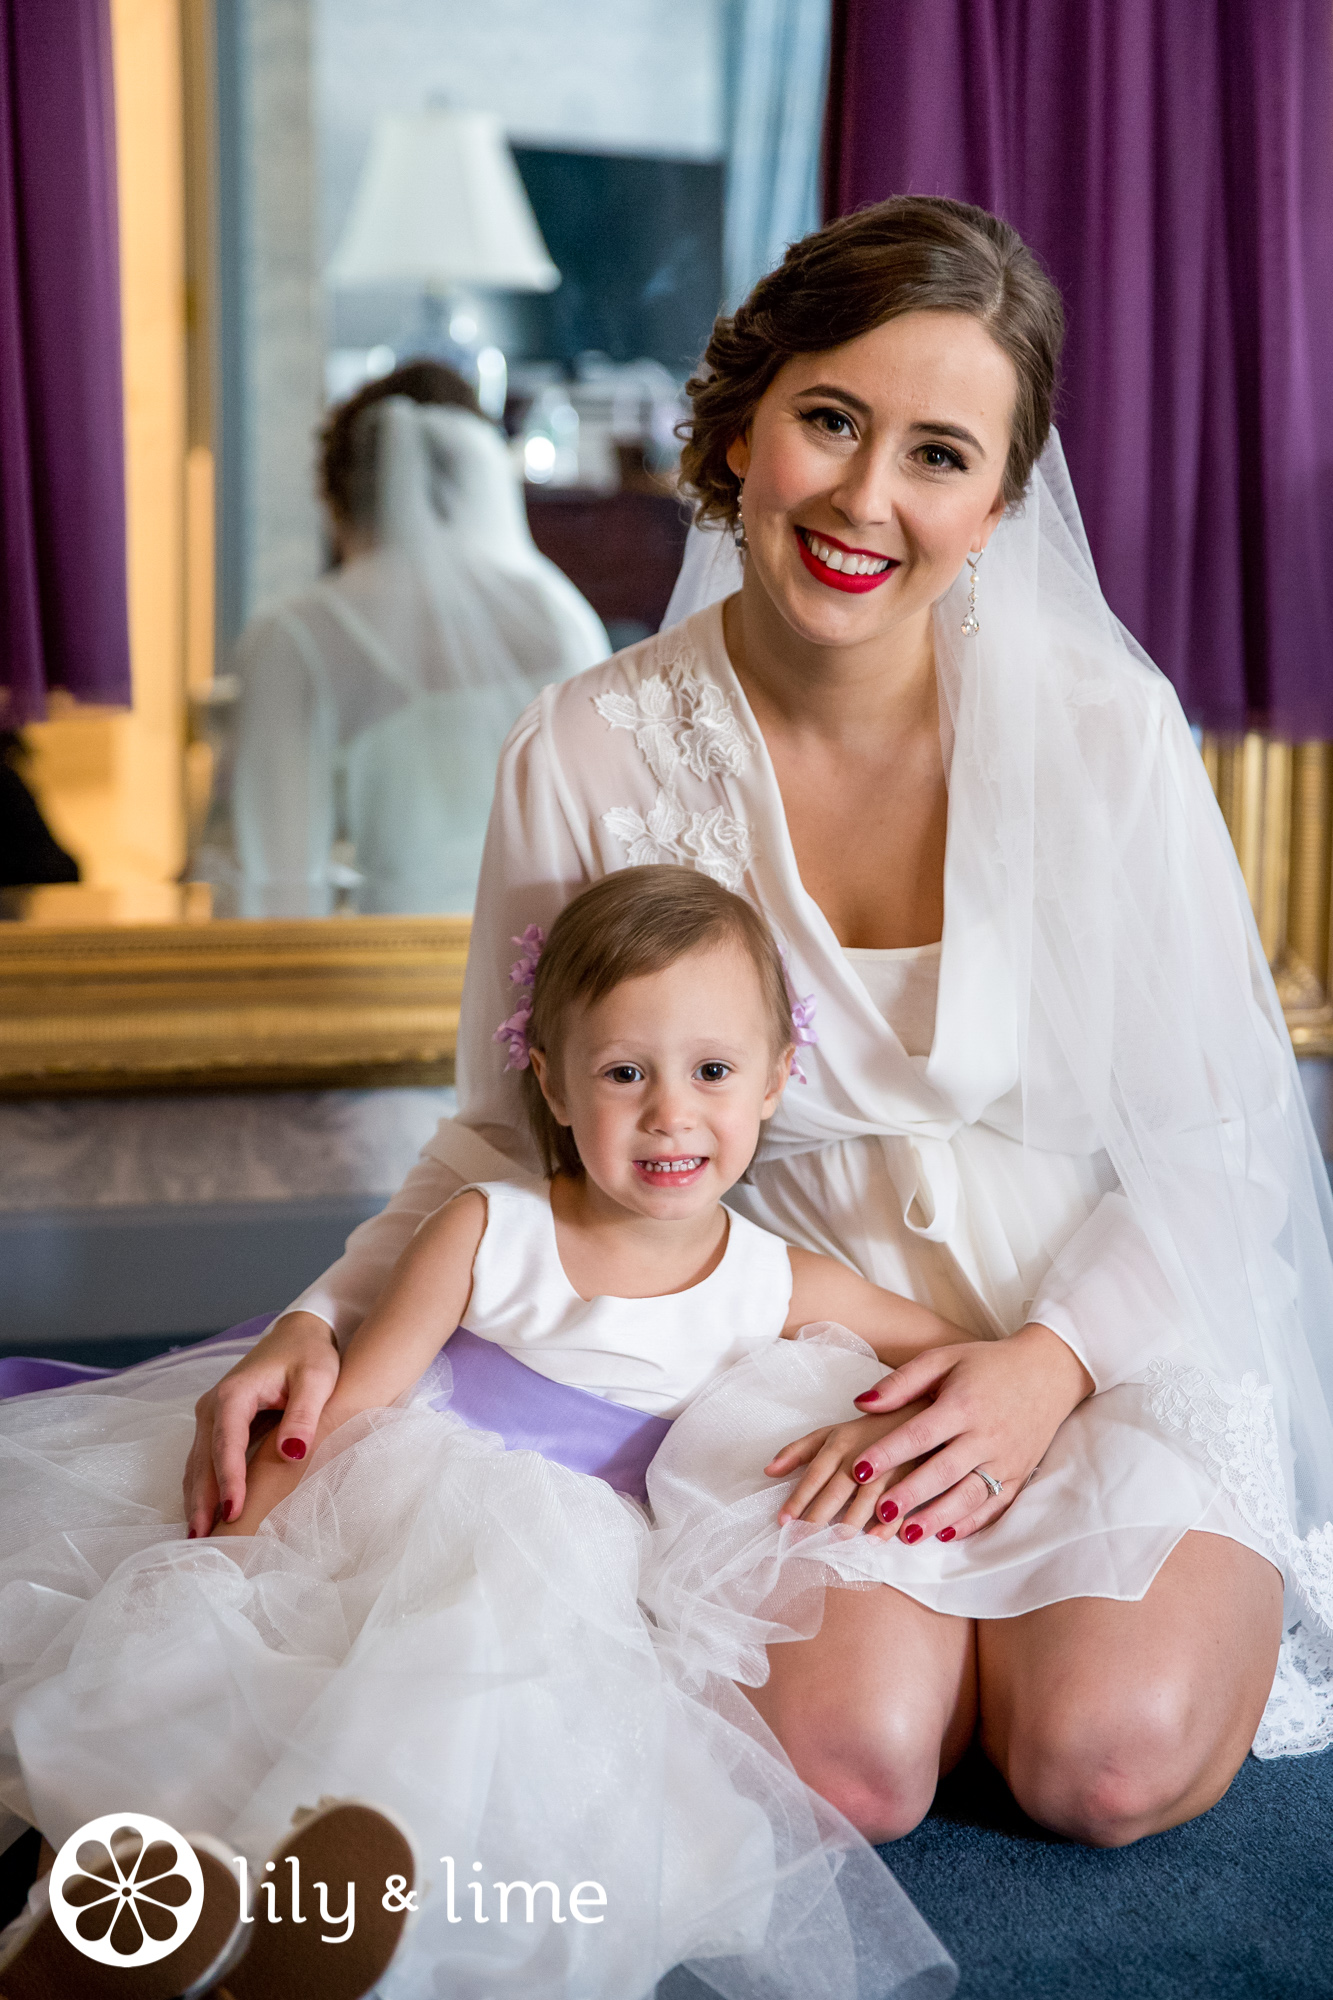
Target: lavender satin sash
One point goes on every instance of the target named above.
(492, 1392)
(25, 1374)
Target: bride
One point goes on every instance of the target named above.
(1049, 1091)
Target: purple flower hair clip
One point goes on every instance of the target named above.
(802, 1020)
(514, 1031)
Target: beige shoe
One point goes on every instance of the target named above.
(39, 1963)
(353, 1850)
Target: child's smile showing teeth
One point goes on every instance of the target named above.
(682, 1168)
(666, 1082)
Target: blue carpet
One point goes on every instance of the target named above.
(1237, 1905)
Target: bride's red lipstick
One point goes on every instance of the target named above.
(839, 579)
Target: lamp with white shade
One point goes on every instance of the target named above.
(440, 204)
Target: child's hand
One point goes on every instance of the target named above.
(829, 1487)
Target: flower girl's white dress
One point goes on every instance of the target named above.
(531, 1669)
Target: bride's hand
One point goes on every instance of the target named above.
(995, 1404)
(294, 1368)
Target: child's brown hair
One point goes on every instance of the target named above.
(637, 921)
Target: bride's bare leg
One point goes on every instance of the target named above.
(1110, 1721)
(875, 1706)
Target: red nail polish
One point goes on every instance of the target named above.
(868, 1396)
(913, 1532)
(191, 1535)
(946, 1534)
(863, 1470)
(887, 1509)
(292, 1448)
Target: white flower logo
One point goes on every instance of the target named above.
(126, 1889)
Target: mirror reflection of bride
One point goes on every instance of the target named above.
(373, 704)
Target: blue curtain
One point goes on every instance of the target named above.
(777, 79)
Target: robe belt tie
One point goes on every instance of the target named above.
(925, 1174)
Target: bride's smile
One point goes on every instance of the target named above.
(871, 472)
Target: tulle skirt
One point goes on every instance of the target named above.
(535, 1674)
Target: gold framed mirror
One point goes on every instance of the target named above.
(139, 977)
(125, 982)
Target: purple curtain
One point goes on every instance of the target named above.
(1171, 162)
(63, 610)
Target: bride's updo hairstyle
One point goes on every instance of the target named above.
(634, 922)
(916, 253)
(348, 447)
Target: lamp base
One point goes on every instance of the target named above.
(449, 329)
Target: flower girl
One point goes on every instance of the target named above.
(460, 1607)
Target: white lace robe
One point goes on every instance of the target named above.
(912, 1169)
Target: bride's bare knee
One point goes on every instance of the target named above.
(1108, 1778)
(882, 1781)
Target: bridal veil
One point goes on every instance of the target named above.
(1105, 920)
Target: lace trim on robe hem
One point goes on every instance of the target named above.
(1236, 1427)
(679, 719)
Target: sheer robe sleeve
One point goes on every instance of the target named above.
(283, 798)
(531, 866)
(1107, 1298)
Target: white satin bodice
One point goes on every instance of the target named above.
(903, 982)
(651, 1354)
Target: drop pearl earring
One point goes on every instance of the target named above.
(972, 624)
